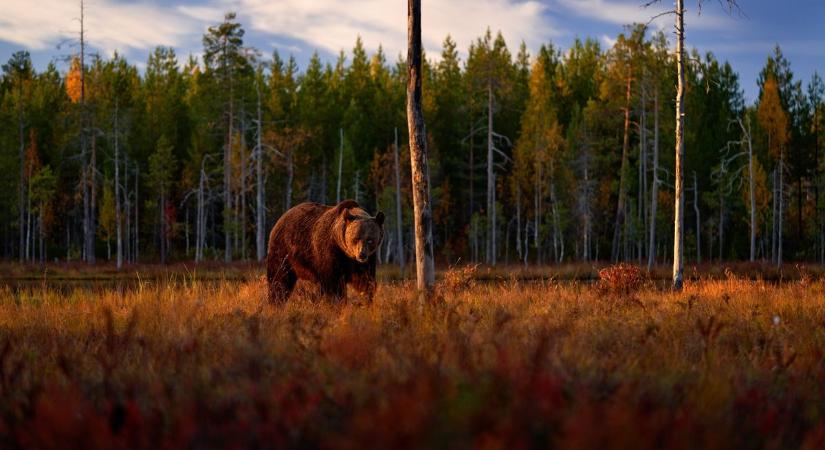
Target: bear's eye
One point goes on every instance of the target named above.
(369, 241)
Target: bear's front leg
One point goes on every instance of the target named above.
(364, 283)
(334, 290)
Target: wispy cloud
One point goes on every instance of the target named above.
(300, 26)
(110, 25)
(331, 25)
(623, 12)
(608, 41)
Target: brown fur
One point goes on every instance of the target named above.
(329, 245)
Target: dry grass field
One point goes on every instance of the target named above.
(181, 362)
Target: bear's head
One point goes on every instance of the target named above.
(362, 234)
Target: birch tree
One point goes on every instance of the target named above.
(730, 170)
(816, 92)
(679, 207)
(654, 188)
(260, 205)
(399, 241)
(489, 68)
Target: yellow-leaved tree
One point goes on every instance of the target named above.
(774, 122)
(74, 81)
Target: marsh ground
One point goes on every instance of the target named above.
(734, 361)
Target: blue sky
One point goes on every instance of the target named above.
(134, 27)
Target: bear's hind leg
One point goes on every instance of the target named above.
(281, 283)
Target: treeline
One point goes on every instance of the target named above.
(557, 156)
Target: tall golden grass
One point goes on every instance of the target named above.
(728, 363)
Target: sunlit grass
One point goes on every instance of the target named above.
(728, 363)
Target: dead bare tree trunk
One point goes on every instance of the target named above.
(471, 181)
(399, 243)
(817, 210)
(654, 192)
(200, 225)
(698, 219)
(751, 188)
(260, 207)
(127, 247)
(425, 267)
(28, 222)
(137, 218)
(585, 206)
(340, 166)
(93, 189)
(537, 206)
(491, 207)
(228, 223)
(558, 238)
(290, 174)
(780, 217)
(643, 156)
(518, 222)
(357, 186)
(87, 177)
(620, 208)
(118, 227)
(242, 225)
(721, 224)
(773, 214)
(163, 225)
(22, 159)
(679, 207)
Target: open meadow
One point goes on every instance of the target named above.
(200, 362)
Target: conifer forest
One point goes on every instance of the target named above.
(535, 159)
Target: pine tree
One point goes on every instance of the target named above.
(224, 56)
(18, 70)
(162, 167)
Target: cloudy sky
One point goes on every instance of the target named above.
(47, 28)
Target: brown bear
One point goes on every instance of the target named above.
(329, 245)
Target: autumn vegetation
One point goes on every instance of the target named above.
(182, 361)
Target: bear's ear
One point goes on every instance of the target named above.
(379, 218)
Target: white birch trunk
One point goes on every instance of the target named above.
(491, 213)
(518, 222)
(290, 174)
(620, 238)
(22, 158)
(118, 225)
(399, 244)
(679, 207)
(137, 217)
(643, 201)
(260, 207)
(340, 165)
(780, 218)
(558, 238)
(227, 167)
(698, 220)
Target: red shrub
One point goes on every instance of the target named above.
(621, 279)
